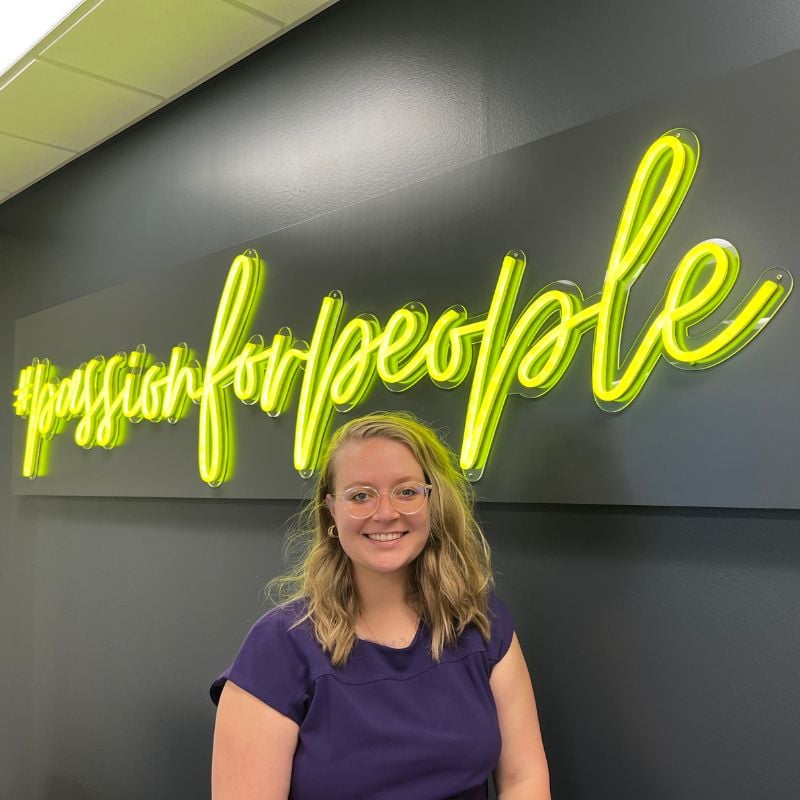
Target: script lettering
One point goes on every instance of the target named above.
(525, 355)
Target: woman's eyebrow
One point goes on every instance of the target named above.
(398, 482)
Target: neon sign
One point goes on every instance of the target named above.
(526, 356)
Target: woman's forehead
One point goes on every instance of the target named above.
(376, 459)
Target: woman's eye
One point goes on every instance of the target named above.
(406, 492)
(358, 497)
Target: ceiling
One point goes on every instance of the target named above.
(112, 62)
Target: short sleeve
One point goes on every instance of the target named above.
(272, 666)
(502, 629)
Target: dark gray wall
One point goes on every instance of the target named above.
(663, 644)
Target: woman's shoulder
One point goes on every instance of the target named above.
(499, 612)
(501, 621)
(288, 612)
(493, 648)
(275, 661)
(284, 622)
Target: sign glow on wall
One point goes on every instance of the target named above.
(526, 355)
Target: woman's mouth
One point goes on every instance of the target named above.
(385, 537)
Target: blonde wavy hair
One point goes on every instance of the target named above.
(450, 579)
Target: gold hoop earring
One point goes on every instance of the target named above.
(331, 532)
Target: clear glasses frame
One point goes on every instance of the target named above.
(361, 502)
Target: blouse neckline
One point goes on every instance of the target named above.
(391, 649)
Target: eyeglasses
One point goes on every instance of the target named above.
(362, 501)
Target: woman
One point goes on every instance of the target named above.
(392, 671)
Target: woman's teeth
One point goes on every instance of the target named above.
(384, 537)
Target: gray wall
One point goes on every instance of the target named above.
(663, 643)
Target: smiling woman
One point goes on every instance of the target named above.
(372, 473)
(391, 669)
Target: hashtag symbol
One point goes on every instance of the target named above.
(24, 393)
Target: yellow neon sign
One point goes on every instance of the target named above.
(526, 355)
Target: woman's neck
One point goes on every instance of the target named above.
(382, 593)
(386, 617)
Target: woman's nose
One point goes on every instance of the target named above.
(385, 509)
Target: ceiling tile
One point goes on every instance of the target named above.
(71, 109)
(161, 46)
(286, 11)
(22, 162)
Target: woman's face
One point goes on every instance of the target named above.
(387, 541)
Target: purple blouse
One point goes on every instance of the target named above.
(392, 724)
